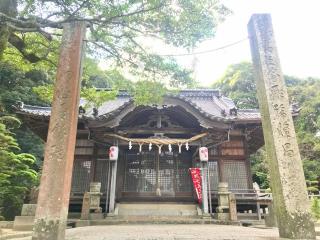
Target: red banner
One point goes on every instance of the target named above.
(196, 180)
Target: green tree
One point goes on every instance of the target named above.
(117, 30)
(16, 170)
(238, 83)
(259, 167)
(16, 85)
(315, 208)
(116, 25)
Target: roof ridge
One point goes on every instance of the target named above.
(248, 110)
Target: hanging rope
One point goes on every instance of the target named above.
(158, 141)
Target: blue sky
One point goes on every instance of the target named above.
(297, 30)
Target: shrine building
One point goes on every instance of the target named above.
(159, 173)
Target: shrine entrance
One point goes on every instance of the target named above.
(154, 176)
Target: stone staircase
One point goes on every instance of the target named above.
(157, 210)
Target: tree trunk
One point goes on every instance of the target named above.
(8, 7)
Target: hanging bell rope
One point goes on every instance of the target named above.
(158, 141)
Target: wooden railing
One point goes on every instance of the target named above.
(248, 194)
(314, 196)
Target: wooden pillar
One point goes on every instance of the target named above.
(247, 162)
(53, 199)
(287, 178)
(94, 160)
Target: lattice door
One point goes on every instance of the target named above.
(182, 176)
(161, 175)
(147, 176)
(214, 175)
(140, 172)
(81, 176)
(235, 173)
(166, 173)
(102, 171)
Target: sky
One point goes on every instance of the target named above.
(296, 25)
(297, 31)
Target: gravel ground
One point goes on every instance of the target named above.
(162, 232)
(171, 232)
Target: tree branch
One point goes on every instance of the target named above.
(20, 45)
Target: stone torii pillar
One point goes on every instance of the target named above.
(53, 200)
(287, 179)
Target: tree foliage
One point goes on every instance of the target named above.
(96, 98)
(315, 207)
(16, 170)
(238, 83)
(259, 167)
(31, 31)
(16, 85)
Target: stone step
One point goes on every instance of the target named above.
(134, 220)
(23, 238)
(10, 234)
(157, 209)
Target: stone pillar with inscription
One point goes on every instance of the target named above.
(285, 165)
(53, 199)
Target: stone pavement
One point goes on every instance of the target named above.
(171, 232)
(165, 232)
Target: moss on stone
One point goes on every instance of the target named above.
(48, 230)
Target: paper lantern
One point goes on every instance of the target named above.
(203, 154)
(113, 153)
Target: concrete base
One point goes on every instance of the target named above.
(96, 216)
(116, 210)
(28, 210)
(23, 223)
(199, 211)
(223, 216)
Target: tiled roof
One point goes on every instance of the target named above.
(111, 106)
(208, 102)
(35, 110)
(252, 114)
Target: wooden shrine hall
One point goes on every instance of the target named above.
(153, 173)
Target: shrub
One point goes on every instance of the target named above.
(315, 208)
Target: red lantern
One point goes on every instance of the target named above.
(113, 153)
(203, 154)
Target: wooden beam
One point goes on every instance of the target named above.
(135, 130)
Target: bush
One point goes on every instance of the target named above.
(315, 208)
(16, 171)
